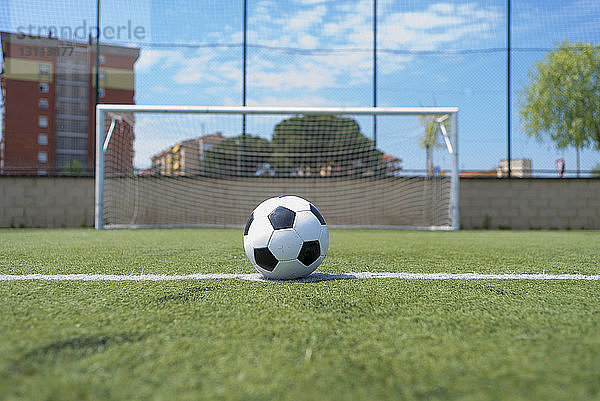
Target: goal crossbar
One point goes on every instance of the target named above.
(137, 108)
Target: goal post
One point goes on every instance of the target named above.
(196, 166)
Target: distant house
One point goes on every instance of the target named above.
(518, 168)
(393, 165)
(184, 158)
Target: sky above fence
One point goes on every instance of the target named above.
(320, 53)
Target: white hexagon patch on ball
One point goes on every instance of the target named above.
(286, 238)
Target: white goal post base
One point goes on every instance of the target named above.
(352, 190)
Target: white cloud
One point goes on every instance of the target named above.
(208, 66)
(331, 29)
(309, 2)
(306, 19)
(437, 26)
(165, 58)
(343, 26)
(308, 41)
(193, 70)
(429, 20)
(291, 101)
(309, 76)
(445, 8)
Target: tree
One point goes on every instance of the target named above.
(324, 145)
(562, 101)
(430, 139)
(73, 167)
(238, 156)
(310, 145)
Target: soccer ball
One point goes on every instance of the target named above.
(286, 238)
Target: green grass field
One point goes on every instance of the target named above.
(340, 339)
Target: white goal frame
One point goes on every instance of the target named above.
(451, 139)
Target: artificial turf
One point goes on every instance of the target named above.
(340, 339)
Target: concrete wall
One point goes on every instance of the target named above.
(485, 203)
(530, 203)
(46, 201)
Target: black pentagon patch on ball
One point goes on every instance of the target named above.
(282, 217)
(311, 250)
(250, 220)
(316, 212)
(265, 259)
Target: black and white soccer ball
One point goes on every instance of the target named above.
(286, 238)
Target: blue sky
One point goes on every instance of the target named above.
(314, 52)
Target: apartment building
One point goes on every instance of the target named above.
(48, 110)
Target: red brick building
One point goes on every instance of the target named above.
(48, 116)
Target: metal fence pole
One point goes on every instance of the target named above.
(508, 93)
(375, 71)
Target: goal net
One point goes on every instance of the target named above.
(169, 166)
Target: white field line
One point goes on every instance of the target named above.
(311, 278)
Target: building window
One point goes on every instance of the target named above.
(44, 87)
(101, 92)
(42, 139)
(43, 104)
(102, 59)
(42, 172)
(43, 121)
(43, 157)
(44, 69)
(102, 75)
